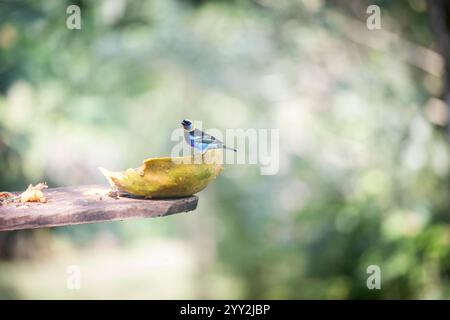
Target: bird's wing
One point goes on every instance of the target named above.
(205, 138)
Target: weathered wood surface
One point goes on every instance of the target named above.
(83, 204)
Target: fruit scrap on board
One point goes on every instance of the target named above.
(34, 193)
(5, 195)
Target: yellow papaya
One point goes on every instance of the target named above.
(168, 177)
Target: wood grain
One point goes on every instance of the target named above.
(85, 204)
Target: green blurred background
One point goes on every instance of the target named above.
(364, 156)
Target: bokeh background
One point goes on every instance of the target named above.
(364, 155)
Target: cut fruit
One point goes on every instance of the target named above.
(169, 177)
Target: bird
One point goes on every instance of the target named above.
(200, 140)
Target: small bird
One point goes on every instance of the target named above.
(200, 140)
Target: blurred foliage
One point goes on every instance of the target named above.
(364, 158)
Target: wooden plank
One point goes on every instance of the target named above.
(86, 204)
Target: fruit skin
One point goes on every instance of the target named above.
(169, 177)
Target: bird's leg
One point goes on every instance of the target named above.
(203, 154)
(192, 155)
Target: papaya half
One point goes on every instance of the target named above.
(168, 177)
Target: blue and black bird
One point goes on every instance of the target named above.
(200, 140)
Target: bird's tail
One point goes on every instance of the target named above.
(228, 148)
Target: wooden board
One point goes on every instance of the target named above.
(86, 204)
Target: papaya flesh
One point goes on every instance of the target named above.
(168, 177)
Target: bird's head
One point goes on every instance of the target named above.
(187, 124)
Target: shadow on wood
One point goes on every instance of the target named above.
(86, 204)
